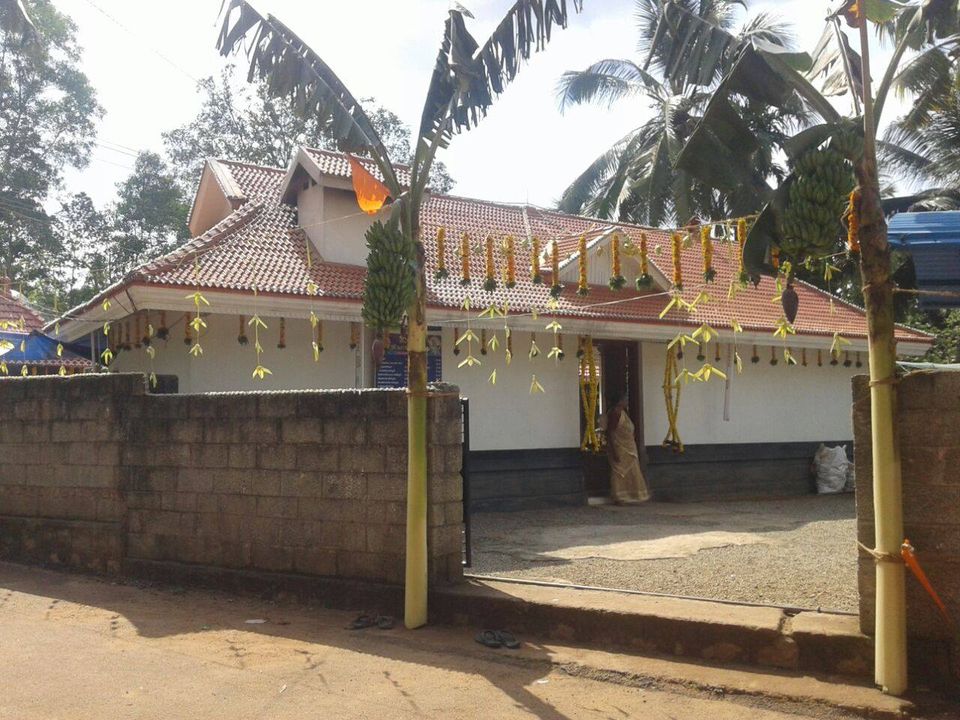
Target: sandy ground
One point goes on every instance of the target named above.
(799, 551)
(76, 647)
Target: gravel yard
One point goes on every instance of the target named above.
(798, 551)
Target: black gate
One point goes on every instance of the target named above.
(465, 475)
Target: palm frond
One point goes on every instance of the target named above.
(928, 78)
(468, 76)
(15, 19)
(604, 82)
(599, 190)
(291, 69)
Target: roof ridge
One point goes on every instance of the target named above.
(250, 164)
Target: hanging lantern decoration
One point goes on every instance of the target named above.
(282, 341)
(163, 332)
(716, 354)
(354, 335)
(859, 361)
(242, 332)
(847, 362)
(559, 344)
(706, 242)
(677, 244)
(617, 280)
(834, 359)
(853, 222)
(583, 288)
(508, 355)
(490, 283)
(819, 358)
(741, 243)
(535, 277)
(465, 259)
(643, 279)
(186, 328)
(580, 341)
(773, 355)
(511, 280)
(803, 357)
(441, 273)
(701, 356)
(483, 341)
(371, 193)
(456, 336)
(755, 358)
(556, 288)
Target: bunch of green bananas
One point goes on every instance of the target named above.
(391, 280)
(822, 181)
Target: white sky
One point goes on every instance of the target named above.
(525, 150)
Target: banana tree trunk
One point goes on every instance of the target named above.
(890, 670)
(415, 581)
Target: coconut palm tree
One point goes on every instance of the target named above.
(636, 179)
(466, 79)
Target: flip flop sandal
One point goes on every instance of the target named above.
(362, 622)
(385, 622)
(489, 638)
(507, 639)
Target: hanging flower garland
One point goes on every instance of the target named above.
(441, 273)
(853, 222)
(163, 332)
(456, 340)
(242, 332)
(644, 280)
(589, 396)
(511, 281)
(677, 245)
(316, 333)
(354, 335)
(742, 275)
(465, 259)
(671, 397)
(583, 288)
(490, 283)
(617, 280)
(556, 288)
(282, 341)
(706, 243)
(535, 277)
(483, 341)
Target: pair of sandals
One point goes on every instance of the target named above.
(384, 622)
(497, 639)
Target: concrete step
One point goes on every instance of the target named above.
(767, 637)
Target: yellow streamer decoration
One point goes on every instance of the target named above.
(441, 273)
(535, 277)
(677, 244)
(582, 287)
(671, 396)
(706, 242)
(589, 396)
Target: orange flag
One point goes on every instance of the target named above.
(371, 193)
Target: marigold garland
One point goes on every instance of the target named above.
(853, 222)
(441, 273)
(706, 242)
(535, 277)
(583, 288)
(644, 280)
(741, 243)
(589, 396)
(511, 280)
(677, 243)
(465, 259)
(775, 258)
(490, 283)
(617, 280)
(556, 288)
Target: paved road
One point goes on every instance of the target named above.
(76, 647)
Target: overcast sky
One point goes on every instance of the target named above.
(143, 58)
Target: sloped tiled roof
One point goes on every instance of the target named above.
(13, 308)
(259, 246)
(336, 165)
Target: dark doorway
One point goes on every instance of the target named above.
(620, 374)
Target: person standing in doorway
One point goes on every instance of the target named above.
(627, 484)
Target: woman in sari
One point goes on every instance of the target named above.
(627, 484)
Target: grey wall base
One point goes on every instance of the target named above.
(509, 480)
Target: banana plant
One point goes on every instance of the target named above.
(467, 77)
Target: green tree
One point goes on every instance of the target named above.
(82, 267)
(466, 79)
(150, 215)
(47, 115)
(637, 178)
(251, 125)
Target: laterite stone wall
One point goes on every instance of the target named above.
(96, 473)
(928, 422)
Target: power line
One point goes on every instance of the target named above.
(139, 37)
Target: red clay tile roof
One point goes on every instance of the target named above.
(336, 164)
(259, 246)
(13, 308)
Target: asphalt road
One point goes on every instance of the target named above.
(77, 647)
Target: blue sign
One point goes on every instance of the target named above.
(392, 372)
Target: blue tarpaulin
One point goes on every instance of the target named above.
(38, 349)
(933, 241)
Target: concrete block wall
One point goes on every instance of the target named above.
(928, 416)
(310, 482)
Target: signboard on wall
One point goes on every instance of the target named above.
(392, 372)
